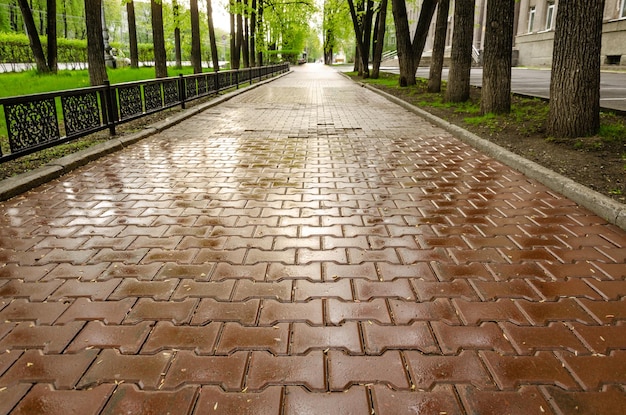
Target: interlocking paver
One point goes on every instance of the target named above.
(308, 247)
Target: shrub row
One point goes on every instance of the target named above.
(15, 48)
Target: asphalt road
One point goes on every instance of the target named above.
(536, 82)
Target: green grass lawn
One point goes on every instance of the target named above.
(30, 82)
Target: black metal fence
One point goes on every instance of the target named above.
(36, 122)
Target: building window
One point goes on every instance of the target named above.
(550, 16)
(531, 19)
(622, 12)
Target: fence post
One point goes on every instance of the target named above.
(182, 92)
(110, 109)
(237, 78)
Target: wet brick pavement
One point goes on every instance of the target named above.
(308, 248)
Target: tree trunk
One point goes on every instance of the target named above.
(403, 43)
(33, 37)
(214, 52)
(496, 86)
(158, 39)
(95, 42)
(132, 34)
(259, 23)
(52, 35)
(177, 52)
(246, 37)
(461, 56)
(421, 32)
(575, 79)
(238, 35)
(439, 46)
(196, 50)
(362, 23)
(233, 63)
(379, 39)
(252, 52)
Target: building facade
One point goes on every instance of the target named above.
(534, 38)
(535, 21)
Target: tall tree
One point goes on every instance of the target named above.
(575, 79)
(439, 46)
(95, 42)
(410, 51)
(33, 37)
(496, 86)
(196, 52)
(51, 32)
(252, 40)
(178, 55)
(132, 34)
(158, 39)
(238, 34)
(461, 56)
(212, 40)
(379, 38)
(362, 23)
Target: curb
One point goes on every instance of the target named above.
(603, 206)
(14, 186)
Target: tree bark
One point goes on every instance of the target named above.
(496, 86)
(132, 34)
(421, 32)
(52, 35)
(362, 23)
(439, 46)
(461, 56)
(178, 56)
(252, 52)
(245, 44)
(575, 79)
(158, 39)
(95, 42)
(196, 49)
(33, 37)
(403, 43)
(379, 39)
(214, 52)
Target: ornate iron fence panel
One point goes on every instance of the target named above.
(202, 86)
(129, 101)
(31, 123)
(152, 96)
(81, 113)
(34, 122)
(170, 92)
(191, 90)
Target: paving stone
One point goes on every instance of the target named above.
(566, 309)
(33, 291)
(306, 370)
(543, 368)
(274, 312)
(244, 312)
(51, 339)
(128, 399)
(112, 367)
(604, 311)
(266, 402)
(339, 311)
(146, 309)
(474, 313)
(110, 312)
(597, 370)
(63, 371)
(44, 398)
(306, 338)
(345, 371)
(95, 290)
(12, 395)
(440, 400)
(126, 339)
(430, 370)
(438, 310)
(366, 290)
(248, 289)
(234, 337)
(351, 401)
(429, 290)
(415, 336)
(188, 288)
(157, 290)
(188, 368)
(306, 290)
(526, 400)
(556, 336)
(611, 401)
(486, 336)
(166, 336)
(39, 313)
(601, 339)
